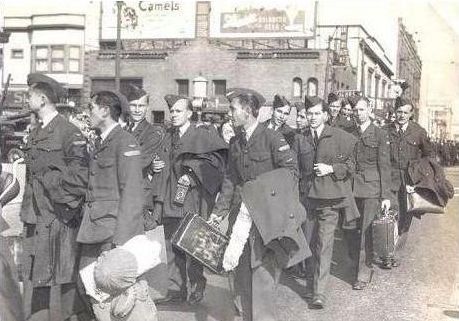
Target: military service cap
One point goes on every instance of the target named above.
(172, 99)
(135, 93)
(280, 101)
(56, 88)
(236, 92)
(399, 102)
(299, 106)
(311, 101)
(332, 97)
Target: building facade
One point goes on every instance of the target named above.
(409, 65)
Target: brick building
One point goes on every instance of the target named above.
(409, 65)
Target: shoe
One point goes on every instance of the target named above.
(198, 294)
(172, 297)
(386, 264)
(359, 285)
(317, 303)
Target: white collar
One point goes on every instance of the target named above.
(365, 125)
(106, 132)
(319, 130)
(48, 118)
(184, 128)
(249, 131)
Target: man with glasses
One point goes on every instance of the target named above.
(149, 136)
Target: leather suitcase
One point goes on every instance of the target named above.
(385, 235)
(202, 241)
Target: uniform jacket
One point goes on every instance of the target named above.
(405, 147)
(372, 170)
(114, 200)
(277, 213)
(342, 122)
(149, 136)
(287, 131)
(265, 151)
(201, 154)
(56, 181)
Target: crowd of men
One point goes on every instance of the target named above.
(86, 197)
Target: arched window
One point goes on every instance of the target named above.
(297, 87)
(312, 86)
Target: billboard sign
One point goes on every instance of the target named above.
(255, 18)
(149, 19)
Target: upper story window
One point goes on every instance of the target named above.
(312, 87)
(17, 53)
(219, 87)
(57, 59)
(297, 87)
(183, 87)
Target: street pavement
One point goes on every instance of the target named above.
(425, 287)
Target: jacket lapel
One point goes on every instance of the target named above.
(258, 130)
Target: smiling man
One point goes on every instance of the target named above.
(408, 142)
(149, 136)
(194, 163)
(281, 112)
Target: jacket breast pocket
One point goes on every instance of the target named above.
(370, 150)
(106, 163)
(371, 176)
(260, 156)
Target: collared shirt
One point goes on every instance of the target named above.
(107, 131)
(271, 125)
(319, 130)
(184, 128)
(364, 126)
(249, 131)
(403, 127)
(48, 118)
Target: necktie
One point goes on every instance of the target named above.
(97, 142)
(175, 137)
(316, 138)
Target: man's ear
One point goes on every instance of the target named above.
(44, 99)
(189, 113)
(105, 111)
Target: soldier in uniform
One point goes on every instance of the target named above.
(337, 118)
(301, 120)
(408, 142)
(254, 150)
(56, 180)
(114, 199)
(149, 136)
(195, 160)
(330, 192)
(371, 186)
(281, 111)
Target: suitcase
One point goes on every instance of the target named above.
(385, 234)
(202, 241)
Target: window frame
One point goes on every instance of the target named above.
(17, 50)
(298, 82)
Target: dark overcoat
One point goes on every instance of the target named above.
(201, 154)
(56, 181)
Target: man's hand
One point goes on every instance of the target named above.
(385, 205)
(321, 169)
(215, 220)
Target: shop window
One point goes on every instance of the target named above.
(57, 59)
(312, 87)
(369, 83)
(297, 87)
(183, 87)
(219, 87)
(17, 53)
(383, 91)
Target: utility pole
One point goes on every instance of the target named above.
(119, 5)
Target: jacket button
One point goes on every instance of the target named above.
(95, 156)
(292, 216)
(93, 173)
(273, 193)
(89, 205)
